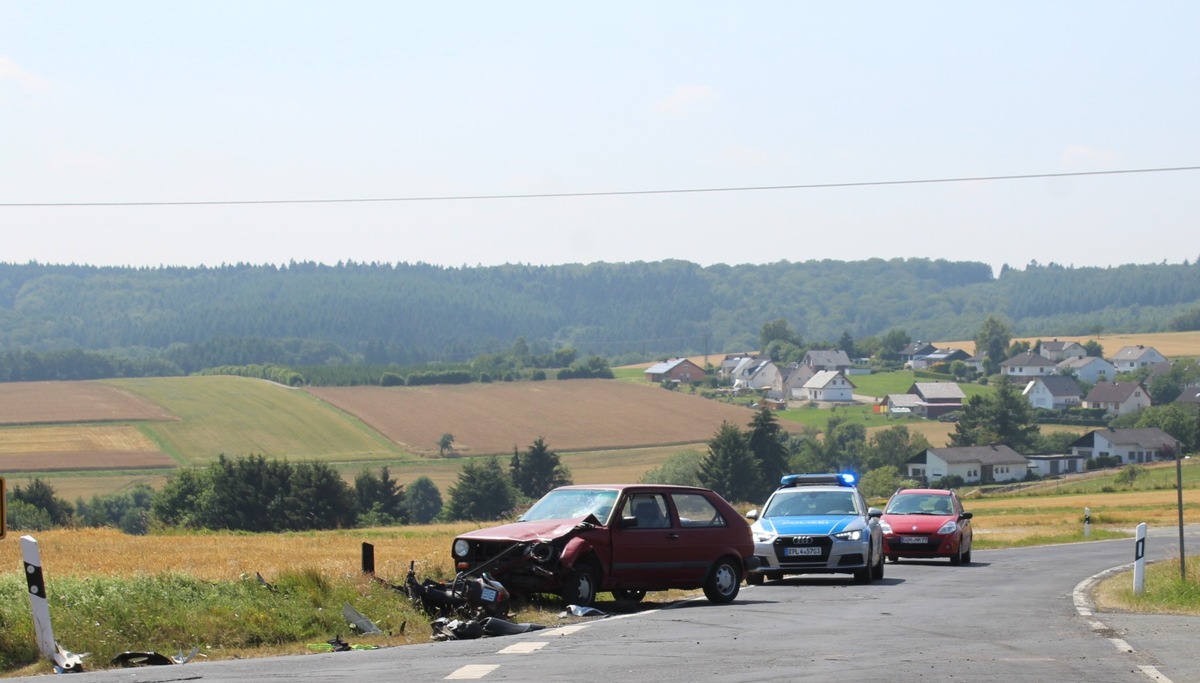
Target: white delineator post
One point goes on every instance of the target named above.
(1087, 522)
(1139, 560)
(63, 660)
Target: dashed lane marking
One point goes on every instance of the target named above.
(471, 672)
(523, 648)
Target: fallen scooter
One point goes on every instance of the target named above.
(466, 608)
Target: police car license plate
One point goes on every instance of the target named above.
(918, 540)
(811, 550)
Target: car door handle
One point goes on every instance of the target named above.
(672, 536)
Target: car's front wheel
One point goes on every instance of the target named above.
(865, 574)
(723, 581)
(755, 579)
(579, 588)
(877, 570)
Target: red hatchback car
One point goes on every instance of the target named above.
(926, 523)
(624, 538)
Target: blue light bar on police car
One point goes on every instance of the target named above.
(842, 479)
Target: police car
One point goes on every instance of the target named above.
(817, 524)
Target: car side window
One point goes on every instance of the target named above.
(696, 511)
(649, 509)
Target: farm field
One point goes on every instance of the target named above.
(1169, 344)
(56, 402)
(573, 415)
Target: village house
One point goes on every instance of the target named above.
(679, 370)
(1127, 445)
(1054, 465)
(975, 464)
(1028, 364)
(731, 362)
(829, 385)
(1118, 398)
(938, 398)
(832, 359)
(939, 356)
(1053, 392)
(1130, 358)
(1059, 351)
(1088, 369)
(757, 375)
(1190, 395)
(916, 349)
(795, 376)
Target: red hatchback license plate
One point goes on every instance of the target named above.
(914, 540)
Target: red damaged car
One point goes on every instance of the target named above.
(623, 538)
(926, 523)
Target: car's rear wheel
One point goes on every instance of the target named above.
(893, 558)
(629, 594)
(723, 581)
(579, 588)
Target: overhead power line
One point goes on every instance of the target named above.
(613, 193)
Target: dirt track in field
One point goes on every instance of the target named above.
(57, 402)
(571, 415)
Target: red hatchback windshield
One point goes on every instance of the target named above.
(920, 504)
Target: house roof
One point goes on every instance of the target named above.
(1190, 394)
(916, 348)
(1058, 385)
(1146, 437)
(1057, 345)
(904, 400)
(984, 455)
(827, 358)
(1113, 392)
(667, 365)
(1027, 359)
(1078, 363)
(937, 390)
(823, 378)
(1128, 353)
(946, 354)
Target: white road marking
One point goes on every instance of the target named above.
(566, 630)
(523, 648)
(471, 672)
(1120, 645)
(1153, 674)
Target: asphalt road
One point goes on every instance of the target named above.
(1012, 615)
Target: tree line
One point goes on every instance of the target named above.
(183, 320)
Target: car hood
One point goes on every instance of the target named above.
(804, 525)
(921, 524)
(522, 532)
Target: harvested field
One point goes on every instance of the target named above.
(78, 447)
(58, 402)
(1169, 344)
(571, 415)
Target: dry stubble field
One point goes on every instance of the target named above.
(574, 415)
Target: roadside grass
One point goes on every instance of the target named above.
(1166, 592)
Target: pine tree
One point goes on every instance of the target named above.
(730, 468)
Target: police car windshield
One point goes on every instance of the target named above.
(571, 503)
(802, 502)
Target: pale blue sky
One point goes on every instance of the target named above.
(178, 101)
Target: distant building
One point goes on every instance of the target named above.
(1058, 351)
(975, 464)
(1088, 369)
(829, 385)
(1128, 445)
(679, 370)
(1028, 364)
(1130, 358)
(1053, 392)
(1118, 398)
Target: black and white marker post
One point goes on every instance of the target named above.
(64, 661)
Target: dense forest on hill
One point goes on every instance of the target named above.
(311, 314)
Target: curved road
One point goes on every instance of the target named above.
(1012, 615)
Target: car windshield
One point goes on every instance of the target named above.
(920, 504)
(800, 502)
(571, 503)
